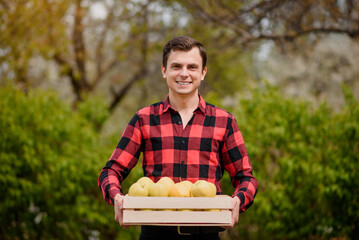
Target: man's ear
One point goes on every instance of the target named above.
(204, 72)
(164, 75)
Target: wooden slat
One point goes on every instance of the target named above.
(177, 203)
(176, 218)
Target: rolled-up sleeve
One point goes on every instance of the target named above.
(237, 163)
(123, 159)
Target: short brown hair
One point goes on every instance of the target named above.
(183, 43)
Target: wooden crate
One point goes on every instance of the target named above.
(177, 211)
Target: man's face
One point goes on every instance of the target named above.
(184, 72)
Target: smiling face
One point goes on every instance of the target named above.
(184, 72)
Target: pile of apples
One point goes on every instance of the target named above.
(165, 187)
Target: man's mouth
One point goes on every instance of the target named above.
(183, 83)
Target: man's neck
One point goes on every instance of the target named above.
(184, 103)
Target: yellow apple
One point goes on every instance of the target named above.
(180, 190)
(145, 182)
(168, 182)
(187, 183)
(137, 190)
(158, 190)
(202, 188)
(214, 189)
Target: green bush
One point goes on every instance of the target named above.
(306, 161)
(50, 159)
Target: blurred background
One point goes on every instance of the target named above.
(74, 72)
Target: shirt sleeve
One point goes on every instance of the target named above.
(236, 162)
(123, 159)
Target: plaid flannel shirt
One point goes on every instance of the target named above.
(209, 144)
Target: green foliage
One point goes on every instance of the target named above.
(50, 159)
(20, 41)
(94, 109)
(306, 160)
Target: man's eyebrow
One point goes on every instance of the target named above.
(175, 64)
(193, 65)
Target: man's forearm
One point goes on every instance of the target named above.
(109, 186)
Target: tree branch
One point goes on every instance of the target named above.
(216, 19)
(69, 71)
(284, 16)
(99, 51)
(294, 34)
(143, 68)
(118, 96)
(79, 47)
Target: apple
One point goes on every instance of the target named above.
(158, 190)
(180, 190)
(137, 190)
(187, 183)
(202, 188)
(214, 189)
(168, 182)
(145, 182)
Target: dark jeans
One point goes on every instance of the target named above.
(186, 233)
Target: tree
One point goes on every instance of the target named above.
(316, 73)
(314, 46)
(114, 49)
(279, 20)
(20, 40)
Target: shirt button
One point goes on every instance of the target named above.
(179, 122)
(183, 141)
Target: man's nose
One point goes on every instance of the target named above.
(184, 72)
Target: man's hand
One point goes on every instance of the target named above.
(236, 202)
(118, 207)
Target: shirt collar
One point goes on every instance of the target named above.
(201, 105)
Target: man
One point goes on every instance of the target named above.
(184, 138)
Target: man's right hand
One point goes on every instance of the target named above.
(118, 207)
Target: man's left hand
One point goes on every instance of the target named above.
(236, 202)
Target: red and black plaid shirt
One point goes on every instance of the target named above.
(210, 143)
